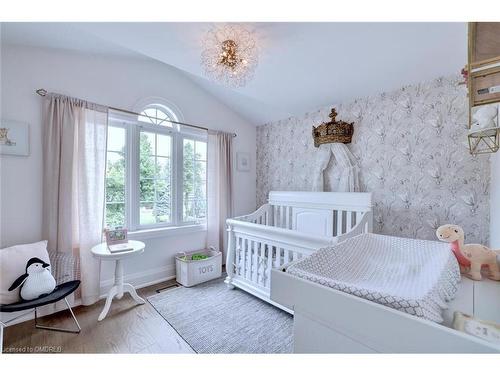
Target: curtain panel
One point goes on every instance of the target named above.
(220, 188)
(74, 161)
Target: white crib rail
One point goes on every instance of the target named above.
(255, 249)
(292, 225)
(262, 216)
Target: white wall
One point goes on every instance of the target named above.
(118, 82)
(495, 201)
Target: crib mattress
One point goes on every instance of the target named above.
(414, 276)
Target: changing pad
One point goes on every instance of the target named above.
(414, 276)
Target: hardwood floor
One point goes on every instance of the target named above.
(128, 328)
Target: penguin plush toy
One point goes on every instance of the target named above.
(36, 282)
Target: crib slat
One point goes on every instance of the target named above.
(269, 265)
(339, 222)
(248, 266)
(238, 256)
(245, 259)
(250, 260)
(255, 262)
(276, 254)
(348, 221)
(287, 217)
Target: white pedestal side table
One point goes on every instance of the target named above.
(102, 252)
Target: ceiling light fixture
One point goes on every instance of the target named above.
(229, 55)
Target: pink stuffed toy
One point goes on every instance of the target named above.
(470, 257)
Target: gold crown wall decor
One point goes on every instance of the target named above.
(333, 131)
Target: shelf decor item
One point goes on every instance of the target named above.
(483, 83)
(484, 130)
(333, 131)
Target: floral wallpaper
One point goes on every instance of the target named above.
(411, 147)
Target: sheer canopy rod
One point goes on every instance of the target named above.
(43, 92)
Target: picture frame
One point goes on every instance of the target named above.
(14, 138)
(243, 161)
(116, 236)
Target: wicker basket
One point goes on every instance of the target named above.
(333, 131)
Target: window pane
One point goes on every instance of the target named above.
(116, 139)
(201, 150)
(194, 180)
(147, 144)
(188, 148)
(146, 212)
(147, 190)
(150, 114)
(200, 170)
(115, 177)
(188, 210)
(163, 167)
(115, 214)
(156, 115)
(163, 199)
(115, 191)
(200, 209)
(163, 191)
(164, 145)
(147, 167)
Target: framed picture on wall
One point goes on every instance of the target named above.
(14, 138)
(243, 161)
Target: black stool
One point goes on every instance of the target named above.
(60, 292)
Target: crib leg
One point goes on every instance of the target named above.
(230, 286)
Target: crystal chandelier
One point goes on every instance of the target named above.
(229, 55)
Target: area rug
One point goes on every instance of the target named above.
(214, 319)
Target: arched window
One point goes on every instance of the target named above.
(156, 170)
(157, 114)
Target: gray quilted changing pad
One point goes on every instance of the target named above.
(414, 276)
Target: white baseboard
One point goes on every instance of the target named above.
(138, 280)
(142, 279)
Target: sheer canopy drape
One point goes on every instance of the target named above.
(74, 160)
(345, 163)
(220, 187)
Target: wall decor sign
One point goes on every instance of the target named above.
(243, 161)
(14, 138)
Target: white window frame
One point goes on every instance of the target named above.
(132, 186)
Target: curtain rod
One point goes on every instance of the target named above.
(43, 92)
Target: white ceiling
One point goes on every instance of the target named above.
(302, 66)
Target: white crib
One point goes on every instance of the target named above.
(292, 225)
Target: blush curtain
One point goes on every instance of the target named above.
(220, 188)
(74, 160)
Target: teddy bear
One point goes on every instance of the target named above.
(470, 257)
